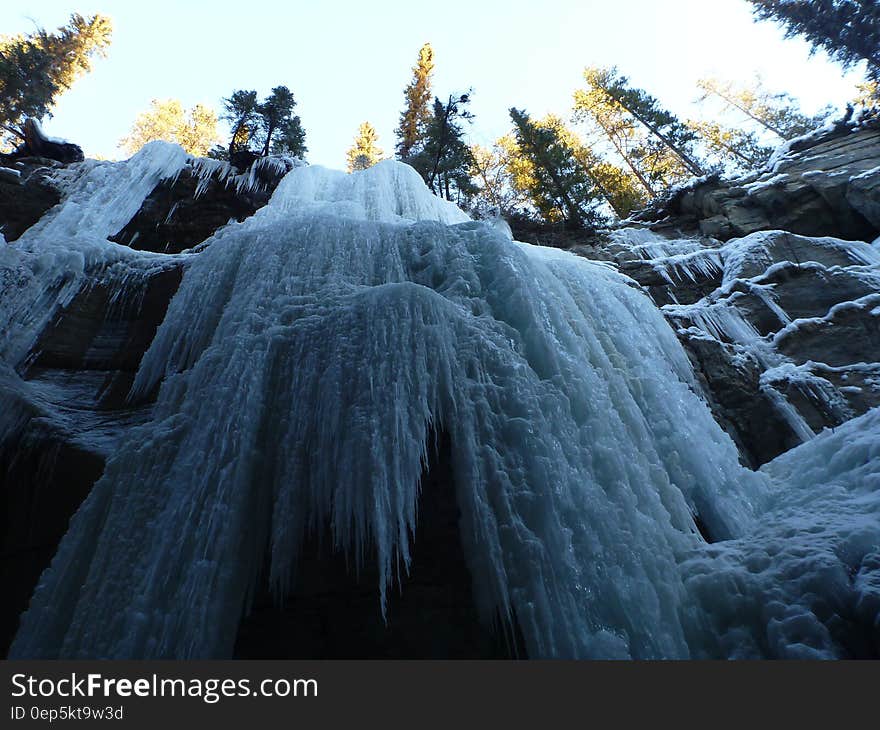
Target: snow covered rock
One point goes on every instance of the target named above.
(782, 328)
(824, 185)
(187, 209)
(27, 191)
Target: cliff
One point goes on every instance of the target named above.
(263, 368)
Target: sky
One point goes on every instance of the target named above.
(348, 62)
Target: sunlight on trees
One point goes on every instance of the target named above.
(195, 130)
(36, 69)
(365, 152)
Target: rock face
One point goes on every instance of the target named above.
(27, 191)
(825, 185)
(773, 287)
(184, 211)
(71, 395)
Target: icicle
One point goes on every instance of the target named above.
(332, 323)
(302, 364)
(48, 264)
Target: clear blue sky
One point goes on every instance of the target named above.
(348, 62)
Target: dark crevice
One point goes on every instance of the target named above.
(333, 613)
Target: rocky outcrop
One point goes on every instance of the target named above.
(46, 476)
(825, 184)
(37, 144)
(779, 312)
(186, 210)
(782, 329)
(27, 191)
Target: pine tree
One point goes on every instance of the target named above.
(733, 148)
(276, 117)
(654, 146)
(848, 30)
(260, 128)
(241, 111)
(560, 188)
(365, 152)
(619, 188)
(194, 130)
(416, 115)
(776, 113)
(35, 69)
(290, 139)
(444, 160)
(646, 110)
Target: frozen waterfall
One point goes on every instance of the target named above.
(313, 350)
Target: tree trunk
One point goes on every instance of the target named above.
(688, 161)
(635, 171)
(38, 145)
(749, 114)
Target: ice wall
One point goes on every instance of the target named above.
(68, 247)
(304, 362)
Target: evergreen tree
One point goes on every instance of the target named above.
(776, 113)
(35, 69)
(365, 152)
(290, 139)
(848, 30)
(654, 146)
(276, 117)
(560, 188)
(241, 111)
(613, 124)
(194, 130)
(444, 160)
(733, 148)
(260, 128)
(619, 188)
(646, 110)
(868, 94)
(416, 115)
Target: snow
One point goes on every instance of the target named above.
(805, 582)
(40, 132)
(309, 356)
(645, 243)
(751, 267)
(754, 254)
(762, 184)
(783, 153)
(867, 302)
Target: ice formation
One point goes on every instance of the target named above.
(313, 350)
(52, 260)
(748, 271)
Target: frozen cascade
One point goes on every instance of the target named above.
(306, 360)
(49, 264)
